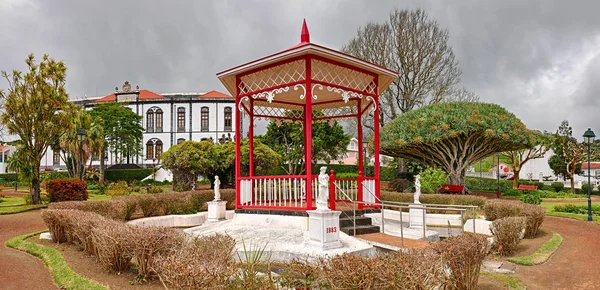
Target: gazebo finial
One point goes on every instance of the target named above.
(304, 35)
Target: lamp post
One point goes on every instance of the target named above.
(498, 176)
(81, 136)
(480, 174)
(588, 137)
(153, 171)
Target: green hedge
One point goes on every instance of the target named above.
(386, 174)
(487, 184)
(8, 177)
(127, 174)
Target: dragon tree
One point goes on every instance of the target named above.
(454, 135)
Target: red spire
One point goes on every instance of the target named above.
(304, 35)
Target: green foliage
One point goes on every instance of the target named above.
(432, 179)
(399, 184)
(434, 198)
(6, 178)
(487, 184)
(531, 199)
(585, 186)
(122, 129)
(52, 175)
(542, 254)
(557, 186)
(511, 192)
(453, 135)
(346, 175)
(578, 209)
(126, 174)
(36, 110)
(329, 142)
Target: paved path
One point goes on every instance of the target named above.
(19, 270)
(576, 264)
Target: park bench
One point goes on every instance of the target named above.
(527, 187)
(451, 188)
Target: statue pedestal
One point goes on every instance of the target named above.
(216, 210)
(324, 228)
(416, 216)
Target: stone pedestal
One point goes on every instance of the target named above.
(416, 215)
(324, 228)
(216, 210)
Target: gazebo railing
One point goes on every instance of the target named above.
(277, 192)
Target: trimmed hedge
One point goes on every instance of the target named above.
(8, 177)
(386, 173)
(434, 198)
(534, 214)
(127, 174)
(145, 205)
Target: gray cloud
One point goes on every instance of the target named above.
(536, 58)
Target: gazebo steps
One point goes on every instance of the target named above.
(360, 230)
(360, 221)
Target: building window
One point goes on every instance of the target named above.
(56, 158)
(180, 140)
(149, 149)
(150, 121)
(159, 120)
(181, 119)
(227, 116)
(154, 148)
(159, 149)
(204, 119)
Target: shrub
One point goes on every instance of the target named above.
(153, 189)
(512, 192)
(57, 223)
(507, 234)
(557, 186)
(399, 185)
(200, 263)
(346, 175)
(463, 256)
(487, 184)
(66, 189)
(149, 243)
(432, 179)
(27, 198)
(114, 246)
(535, 215)
(578, 209)
(584, 188)
(497, 209)
(531, 199)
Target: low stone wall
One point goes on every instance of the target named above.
(174, 221)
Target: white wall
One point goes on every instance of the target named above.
(535, 166)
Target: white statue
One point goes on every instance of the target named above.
(217, 188)
(418, 189)
(323, 189)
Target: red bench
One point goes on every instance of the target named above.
(527, 187)
(451, 188)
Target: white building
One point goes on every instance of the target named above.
(168, 119)
(536, 168)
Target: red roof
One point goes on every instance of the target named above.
(144, 95)
(593, 165)
(3, 147)
(215, 94)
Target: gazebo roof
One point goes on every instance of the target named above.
(287, 67)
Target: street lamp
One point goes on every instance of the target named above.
(588, 137)
(81, 136)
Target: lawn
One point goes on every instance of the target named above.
(549, 206)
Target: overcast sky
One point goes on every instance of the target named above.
(539, 59)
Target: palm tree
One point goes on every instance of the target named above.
(69, 144)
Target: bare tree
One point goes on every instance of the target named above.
(415, 46)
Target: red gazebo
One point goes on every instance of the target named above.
(287, 87)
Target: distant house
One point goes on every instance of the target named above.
(594, 168)
(504, 168)
(5, 151)
(351, 155)
(533, 168)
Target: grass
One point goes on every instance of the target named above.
(62, 273)
(12, 201)
(511, 282)
(20, 208)
(549, 206)
(542, 254)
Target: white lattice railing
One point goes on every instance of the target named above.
(349, 186)
(274, 191)
(369, 191)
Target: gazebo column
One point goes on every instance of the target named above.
(361, 167)
(308, 134)
(251, 140)
(238, 203)
(376, 139)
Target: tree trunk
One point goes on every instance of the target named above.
(35, 184)
(573, 183)
(101, 179)
(516, 178)
(457, 178)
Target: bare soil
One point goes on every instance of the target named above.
(574, 265)
(20, 270)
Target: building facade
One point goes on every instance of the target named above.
(168, 119)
